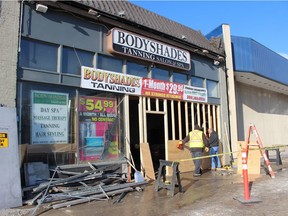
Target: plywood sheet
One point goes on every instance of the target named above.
(146, 161)
(175, 154)
(254, 156)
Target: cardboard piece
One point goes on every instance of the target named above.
(146, 161)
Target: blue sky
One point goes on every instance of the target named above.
(264, 21)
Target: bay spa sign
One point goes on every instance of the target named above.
(133, 45)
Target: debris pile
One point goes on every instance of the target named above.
(67, 188)
(224, 171)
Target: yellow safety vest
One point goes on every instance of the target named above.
(195, 139)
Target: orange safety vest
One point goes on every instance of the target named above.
(195, 139)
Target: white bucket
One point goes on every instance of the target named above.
(138, 177)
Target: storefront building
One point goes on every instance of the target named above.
(257, 89)
(95, 79)
(93, 86)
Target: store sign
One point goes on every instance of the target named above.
(195, 94)
(133, 45)
(98, 138)
(49, 117)
(102, 80)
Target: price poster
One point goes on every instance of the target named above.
(162, 89)
(97, 128)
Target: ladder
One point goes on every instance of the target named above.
(252, 129)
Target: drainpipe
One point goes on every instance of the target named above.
(20, 26)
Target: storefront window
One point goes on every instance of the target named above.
(38, 55)
(44, 110)
(59, 126)
(73, 59)
(197, 82)
(160, 74)
(98, 128)
(180, 78)
(109, 63)
(212, 88)
(137, 69)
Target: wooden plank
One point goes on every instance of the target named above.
(155, 112)
(144, 120)
(179, 120)
(192, 115)
(198, 115)
(166, 131)
(157, 104)
(209, 116)
(204, 118)
(149, 104)
(214, 118)
(140, 116)
(146, 161)
(173, 120)
(186, 118)
(184, 166)
(127, 124)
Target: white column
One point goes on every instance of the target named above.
(230, 86)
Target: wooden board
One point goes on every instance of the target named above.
(146, 161)
(254, 156)
(175, 154)
(48, 148)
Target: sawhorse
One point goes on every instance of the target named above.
(162, 173)
(278, 156)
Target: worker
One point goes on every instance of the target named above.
(214, 146)
(197, 141)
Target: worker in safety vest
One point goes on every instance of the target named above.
(196, 142)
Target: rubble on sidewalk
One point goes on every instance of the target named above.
(66, 188)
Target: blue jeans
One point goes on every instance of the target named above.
(197, 163)
(215, 160)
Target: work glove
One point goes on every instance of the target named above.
(206, 149)
(180, 145)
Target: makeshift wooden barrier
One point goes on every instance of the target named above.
(175, 154)
(254, 156)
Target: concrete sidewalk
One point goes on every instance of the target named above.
(213, 193)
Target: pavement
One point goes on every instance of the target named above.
(213, 193)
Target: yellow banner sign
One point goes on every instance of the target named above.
(3, 140)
